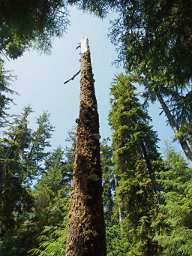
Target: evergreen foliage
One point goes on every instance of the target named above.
(5, 93)
(26, 22)
(145, 30)
(108, 180)
(176, 239)
(147, 201)
(17, 171)
(136, 161)
(175, 102)
(139, 220)
(51, 195)
(159, 56)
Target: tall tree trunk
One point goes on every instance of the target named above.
(184, 143)
(86, 229)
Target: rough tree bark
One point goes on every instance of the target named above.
(86, 227)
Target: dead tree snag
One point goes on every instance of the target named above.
(86, 228)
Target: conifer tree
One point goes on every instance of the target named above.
(22, 155)
(51, 195)
(108, 179)
(12, 173)
(86, 230)
(175, 101)
(41, 21)
(136, 160)
(140, 34)
(176, 237)
(5, 92)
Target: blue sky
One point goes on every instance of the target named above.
(40, 79)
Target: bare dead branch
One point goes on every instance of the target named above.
(72, 78)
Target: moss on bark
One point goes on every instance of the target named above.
(86, 229)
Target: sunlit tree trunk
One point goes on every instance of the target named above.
(86, 229)
(184, 143)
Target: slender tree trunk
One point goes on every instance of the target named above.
(86, 228)
(184, 143)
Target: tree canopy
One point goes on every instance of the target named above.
(143, 197)
(24, 23)
(153, 37)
